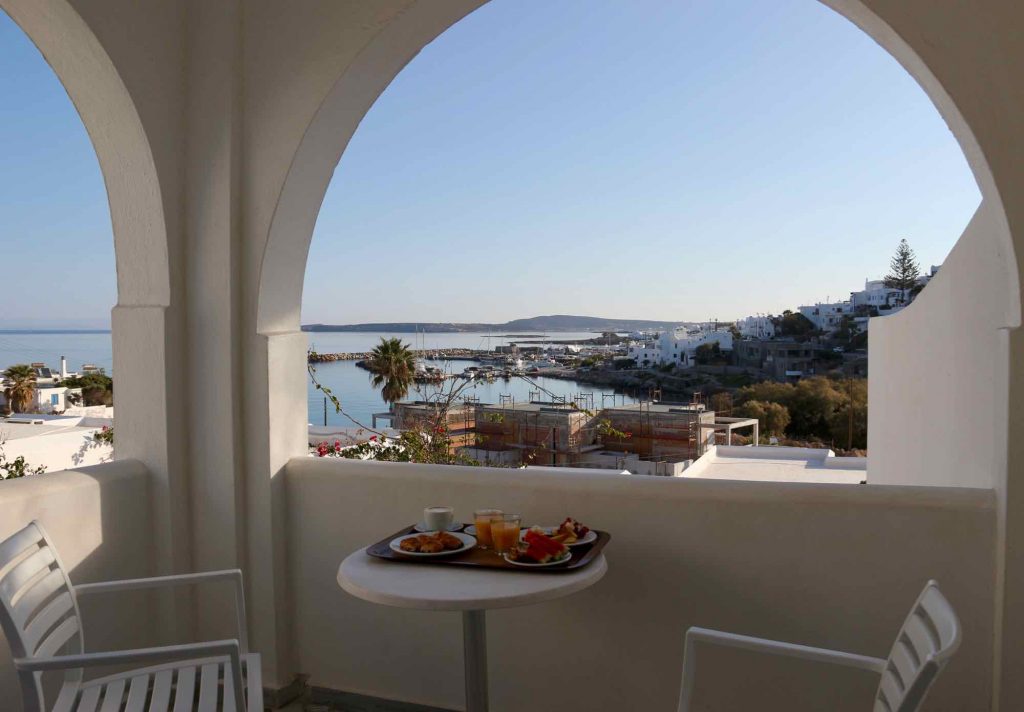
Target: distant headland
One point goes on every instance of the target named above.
(553, 322)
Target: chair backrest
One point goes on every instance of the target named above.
(926, 642)
(38, 608)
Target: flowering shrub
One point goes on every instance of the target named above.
(410, 446)
(12, 469)
(374, 449)
(105, 435)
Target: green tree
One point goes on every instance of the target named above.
(21, 384)
(773, 418)
(392, 368)
(846, 431)
(903, 270)
(812, 403)
(97, 388)
(708, 353)
(793, 324)
(722, 402)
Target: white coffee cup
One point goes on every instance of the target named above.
(438, 519)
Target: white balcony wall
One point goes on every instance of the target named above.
(939, 376)
(100, 521)
(797, 562)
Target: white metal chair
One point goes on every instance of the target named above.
(929, 637)
(40, 618)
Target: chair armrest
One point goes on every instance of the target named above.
(234, 575)
(229, 648)
(762, 645)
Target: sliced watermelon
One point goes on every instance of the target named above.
(542, 548)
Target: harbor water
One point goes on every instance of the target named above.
(349, 382)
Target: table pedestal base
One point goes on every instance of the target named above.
(474, 651)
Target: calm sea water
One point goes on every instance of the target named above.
(48, 346)
(360, 400)
(350, 383)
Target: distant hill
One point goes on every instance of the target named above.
(553, 322)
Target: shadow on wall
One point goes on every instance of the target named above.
(99, 520)
(92, 452)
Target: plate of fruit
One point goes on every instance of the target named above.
(570, 532)
(432, 544)
(537, 549)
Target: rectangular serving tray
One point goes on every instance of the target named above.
(485, 558)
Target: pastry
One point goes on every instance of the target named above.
(431, 546)
(449, 542)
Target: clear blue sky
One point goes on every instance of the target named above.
(636, 158)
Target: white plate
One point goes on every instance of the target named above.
(422, 527)
(468, 543)
(533, 565)
(589, 538)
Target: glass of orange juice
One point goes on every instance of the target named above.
(506, 533)
(483, 520)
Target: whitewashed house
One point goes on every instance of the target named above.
(827, 316)
(886, 299)
(679, 347)
(876, 294)
(756, 327)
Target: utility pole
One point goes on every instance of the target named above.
(849, 435)
(325, 411)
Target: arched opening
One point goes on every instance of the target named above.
(137, 218)
(278, 311)
(126, 201)
(107, 111)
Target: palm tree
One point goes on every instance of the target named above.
(393, 366)
(21, 383)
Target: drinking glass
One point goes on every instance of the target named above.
(483, 520)
(506, 533)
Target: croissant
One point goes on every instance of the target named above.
(448, 541)
(431, 546)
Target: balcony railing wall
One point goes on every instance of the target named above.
(100, 521)
(829, 565)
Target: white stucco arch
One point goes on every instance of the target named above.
(122, 147)
(283, 268)
(328, 134)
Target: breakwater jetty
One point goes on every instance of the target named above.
(435, 354)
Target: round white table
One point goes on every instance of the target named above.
(472, 591)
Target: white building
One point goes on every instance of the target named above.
(827, 316)
(759, 326)
(48, 396)
(876, 294)
(886, 299)
(679, 348)
(45, 399)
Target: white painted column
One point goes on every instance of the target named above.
(149, 426)
(276, 422)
